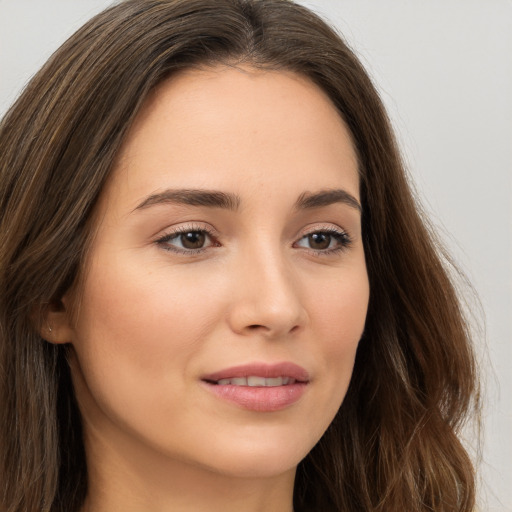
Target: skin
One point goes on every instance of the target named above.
(153, 321)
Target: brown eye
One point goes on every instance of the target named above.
(325, 241)
(193, 239)
(187, 241)
(319, 241)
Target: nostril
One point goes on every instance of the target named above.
(263, 328)
(255, 327)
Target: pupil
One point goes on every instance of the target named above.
(319, 240)
(193, 239)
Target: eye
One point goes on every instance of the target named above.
(192, 239)
(325, 241)
(187, 241)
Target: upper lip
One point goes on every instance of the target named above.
(285, 369)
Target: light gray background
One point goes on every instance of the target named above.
(444, 69)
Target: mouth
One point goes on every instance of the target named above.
(259, 387)
(259, 374)
(254, 381)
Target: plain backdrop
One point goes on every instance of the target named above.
(444, 70)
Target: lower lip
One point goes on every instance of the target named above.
(260, 399)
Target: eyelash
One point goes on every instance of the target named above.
(342, 237)
(176, 233)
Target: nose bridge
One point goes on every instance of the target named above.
(268, 298)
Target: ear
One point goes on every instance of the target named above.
(55, 322)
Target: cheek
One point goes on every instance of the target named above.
(133, 311)
(135, 341)
(339, 317)
(136, 335)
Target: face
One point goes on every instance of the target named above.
(226, 288)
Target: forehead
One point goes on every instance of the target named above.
(214, 127)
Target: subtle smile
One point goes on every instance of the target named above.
(259, 387)
(254, 381)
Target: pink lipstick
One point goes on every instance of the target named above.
(259, 386)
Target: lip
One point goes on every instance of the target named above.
(259, 399)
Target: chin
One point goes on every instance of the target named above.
(256, 466)
(260, 456)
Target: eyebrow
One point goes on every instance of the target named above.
(193, 197)
(229, 201)
(309, 200)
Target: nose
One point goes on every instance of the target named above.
(266, 297)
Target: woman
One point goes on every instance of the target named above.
(217, 291)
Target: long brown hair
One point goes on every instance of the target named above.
(394, 443)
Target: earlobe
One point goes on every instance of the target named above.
(55, 324)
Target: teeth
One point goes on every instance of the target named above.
(255, 381)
